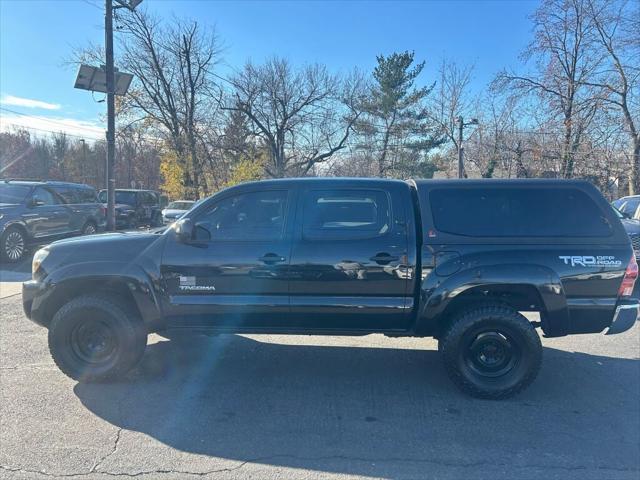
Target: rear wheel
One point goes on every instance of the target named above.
(13, 244)
(96, 339)
(89, 228)
(131, 223)
(156, 220)
(491, 351)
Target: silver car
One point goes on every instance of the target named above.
(175, 210)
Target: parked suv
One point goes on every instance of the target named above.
(135, 208)
(455, 260)
(33, 212)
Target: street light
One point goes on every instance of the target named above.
(108, 80)
(461, 125)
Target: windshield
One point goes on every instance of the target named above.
(180, 205)
(13, 193)
(629, 205)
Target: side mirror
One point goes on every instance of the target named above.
(185, 230)
(36, 202)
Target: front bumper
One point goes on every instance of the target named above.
(36, 296)
(32, 291)
(624, 318)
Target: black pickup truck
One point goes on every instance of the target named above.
(455, 260)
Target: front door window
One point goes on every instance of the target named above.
(254, 216)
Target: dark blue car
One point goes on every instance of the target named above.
(33, 212)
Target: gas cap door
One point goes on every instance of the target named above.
(447, 263)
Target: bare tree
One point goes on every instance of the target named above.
(452, 98)
(565, 60)
(60, 147)
(618, 36)
(302, 116)
(496, 148)
(174, 87)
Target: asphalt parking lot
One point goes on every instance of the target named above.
(314, 407)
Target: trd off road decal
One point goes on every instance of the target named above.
(189, 284)
(590, 260)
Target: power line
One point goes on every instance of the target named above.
(48, 120)
(18, 126)
(92, 4)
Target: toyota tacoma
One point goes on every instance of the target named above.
(481, 265)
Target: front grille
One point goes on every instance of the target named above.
(635, 242)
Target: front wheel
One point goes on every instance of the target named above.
(95, 339)
(491, 351)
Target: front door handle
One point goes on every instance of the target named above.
(271, 258)
(384, 258)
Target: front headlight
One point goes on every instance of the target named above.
(38, 258)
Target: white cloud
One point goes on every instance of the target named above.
(44, 126)
(28, 103)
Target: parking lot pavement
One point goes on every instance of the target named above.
(315, 407)
(12, 276)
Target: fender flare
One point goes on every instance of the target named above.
(437, 293)
(138, 283)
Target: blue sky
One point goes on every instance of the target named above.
(37, 36)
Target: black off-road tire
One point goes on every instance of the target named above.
(75, 357)
(483, 327)
(13, 244)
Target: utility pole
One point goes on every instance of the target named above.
(105, 79)
(111, 116)
(84, 160)
(111, 111)
(460, 149)
(461, 126)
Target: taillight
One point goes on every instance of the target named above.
(629, 280)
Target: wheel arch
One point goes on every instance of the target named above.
(520, 297)
(21, 226)
(522, 287)
(130, 291)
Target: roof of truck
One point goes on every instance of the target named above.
(504, 181)
(465, 181)
(286, 181)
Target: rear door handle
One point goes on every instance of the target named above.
(384, 258)
(271, 258)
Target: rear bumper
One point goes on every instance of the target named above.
(624, 318)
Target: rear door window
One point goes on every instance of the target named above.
(86, 195)
(517, 212)
(345, 214)
(149, 198)
(69, 194)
